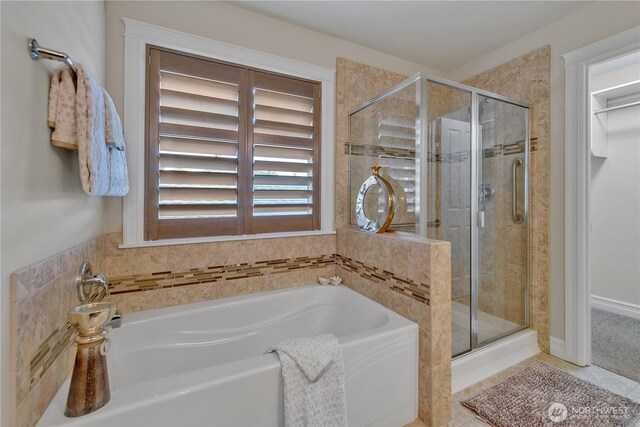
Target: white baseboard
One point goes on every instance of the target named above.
(615, 306)
(558, 348)
(481, 364)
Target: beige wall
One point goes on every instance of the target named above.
(221, 22)
(44, 209)
(588, 25)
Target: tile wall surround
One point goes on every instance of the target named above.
(383, 134)
(154, 277)
(161, 276)
(426, 265)
(355, 84)
(140, 279)
(41, 347)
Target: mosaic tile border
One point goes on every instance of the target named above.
(394, 152)
(218, 273)
(221, 273)
(409, 288)
(48, 352)
(379, 150)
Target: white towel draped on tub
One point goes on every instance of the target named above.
(103, 170)
(313, 375)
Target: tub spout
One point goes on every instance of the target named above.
(116, 321)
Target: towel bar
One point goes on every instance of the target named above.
(37, 52)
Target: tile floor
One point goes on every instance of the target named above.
(461, 416)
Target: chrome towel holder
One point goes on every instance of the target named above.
(38, 52)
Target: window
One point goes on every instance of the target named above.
(229, 149)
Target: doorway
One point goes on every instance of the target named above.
(587, 107)
(614, 235)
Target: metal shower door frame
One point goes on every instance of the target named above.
(476, 179)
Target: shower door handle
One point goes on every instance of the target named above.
(515, 216)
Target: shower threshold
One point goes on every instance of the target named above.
(480, 364)
(490, 328)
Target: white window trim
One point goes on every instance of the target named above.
(136, 37)
(577, 164)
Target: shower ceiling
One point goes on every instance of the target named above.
(442, 35)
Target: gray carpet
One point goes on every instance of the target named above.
(615, 343)
(541, 395)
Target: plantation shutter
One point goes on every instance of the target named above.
(284, 136)
(399, 131)
(195, 135)
(230, 150)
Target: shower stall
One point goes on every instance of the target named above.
(457, 159)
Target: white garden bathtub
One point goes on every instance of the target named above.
(202, 364)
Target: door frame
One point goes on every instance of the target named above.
(577, 165)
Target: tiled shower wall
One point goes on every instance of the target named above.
(355, 84)
(527, 79)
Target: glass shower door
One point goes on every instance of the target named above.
(449, 192)
(502, 220)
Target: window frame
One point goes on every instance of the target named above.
(138, 36)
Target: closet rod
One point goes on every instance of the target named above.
(38, 52)
(617, 107)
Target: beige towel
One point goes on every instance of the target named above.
(103, 171)
(54, 90)
(62, 110)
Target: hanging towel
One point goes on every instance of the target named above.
(103, 171)
(313, 376)
(114, 136)
(62, 110)
(54, 91)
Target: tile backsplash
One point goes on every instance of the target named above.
(41, 343)
(153, 277)
(140, 279)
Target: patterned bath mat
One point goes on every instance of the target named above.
(541, 395)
